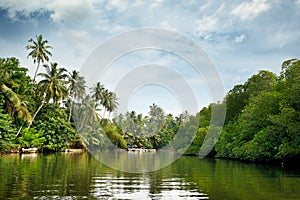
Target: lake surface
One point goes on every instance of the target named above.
(81, 176)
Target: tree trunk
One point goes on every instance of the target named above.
(104, 113)
(70, 114)
(35, 114)
(19, 131)
(35, 73)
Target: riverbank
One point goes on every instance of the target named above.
(31, 150)
(290, 162)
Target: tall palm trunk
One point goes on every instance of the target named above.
(70, 113)
(35, 114)
(19, 131)
(35, 73)
(104, 112)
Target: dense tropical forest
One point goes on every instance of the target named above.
(55, 110)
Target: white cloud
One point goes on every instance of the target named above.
(249, 10)
(156, 4)
(80, 40)
(240, 38)
(119, 5)
(205, 7)
(206, 24)
(188, 3)
(69, 10)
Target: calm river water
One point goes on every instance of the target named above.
(81, 176)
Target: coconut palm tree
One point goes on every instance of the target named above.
(98, 92)
(76, 88)
(157, 117)
(39, 51)
(10, 73)
(106, 98)
(14, 103)
(112, 102)
(52, 86)
(87, 114)
(76, 85)
(54, 83)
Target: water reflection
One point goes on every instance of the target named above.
(81, 176)
(136, 162)
(127, 188)
(30, 156)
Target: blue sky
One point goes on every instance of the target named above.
(240, 37)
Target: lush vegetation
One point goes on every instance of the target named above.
(40, 114)
(58, 112)
(263, 117)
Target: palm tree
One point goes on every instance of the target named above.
(87, 122)
(54, 83)
(87, 114)
(39, 52)
(53, 86)
(14, 103)
(106, 98)
(157, 117)
(76, 88)
(76, 85)
(10, 77)
(10, 73)
(112, 102)
(98, 92)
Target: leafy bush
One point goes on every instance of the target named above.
(31, 138)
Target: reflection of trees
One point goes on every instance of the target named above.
(81, 176)
(47, 176)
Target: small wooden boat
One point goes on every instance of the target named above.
(30, 150)
(141, 150)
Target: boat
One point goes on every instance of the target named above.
(29, 150)
(141, 150)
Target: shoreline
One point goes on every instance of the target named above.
(285, 163)
(38, 152)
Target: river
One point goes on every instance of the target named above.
(82, 176)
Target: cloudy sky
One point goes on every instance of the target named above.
(240, 37)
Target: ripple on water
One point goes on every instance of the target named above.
(127, 188)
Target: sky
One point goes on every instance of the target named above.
(239, 38)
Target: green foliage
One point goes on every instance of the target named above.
(253, 119)
(54, 83)
(153, 131)
(267, 125)
(39, 51)
(7, 128)
(238, 97)
(287, 124)
(186, 133)
(56, 129)
(14, 86)
(112, 132)
(31, 138)
(197, 142)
